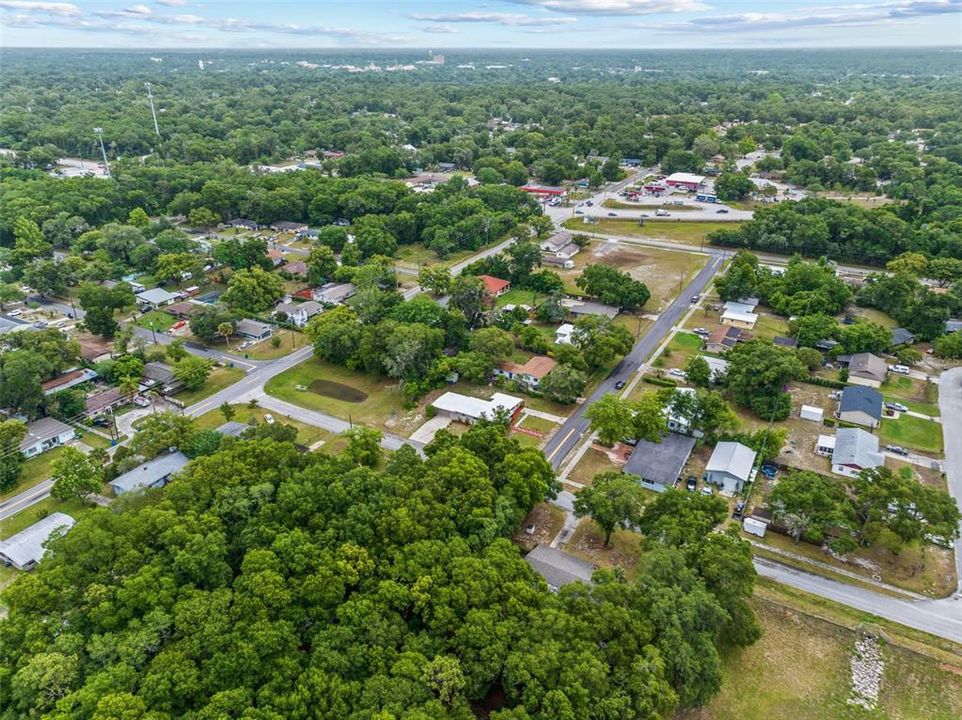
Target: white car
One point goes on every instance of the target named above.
(269, 419)
(15, 313)
(141, 401)
(706, 490)
(900, 369)
(677, 372)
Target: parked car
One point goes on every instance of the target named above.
(579, 212)
(721, 211)
(269, 419)
(691, 483)
(701, 331)
(739, 510)
(589, 203)
(620, 384)
(15, 313)
(611, 214)
(141, 401)
(897, 407)
(897, 449)
(706, 490)
(677, 372)
(900, 369)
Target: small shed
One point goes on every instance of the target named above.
(810, 412)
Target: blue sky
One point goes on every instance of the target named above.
(472, 24)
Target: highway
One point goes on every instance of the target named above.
(576, 427)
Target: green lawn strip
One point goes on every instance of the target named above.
(912, 432)
(689, 232)
(306, 434)
(265, 350)
(33, 471)
(527, 440)
(930, 409)
(520, 297)
(160, 320)
(619, 205)
(219, 379)
(27, 517)
(383, 409)
(539, 424)
(93, 439)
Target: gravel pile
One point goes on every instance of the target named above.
(867, 669)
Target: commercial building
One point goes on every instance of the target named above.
(855, 450)
(44, 434)
(685, 181)
(469, 410)
(860, 405)
(26, 549)
(730, 467)
(253, 329)
(659, 465)
(151, 474)
(558, 568)
(530, 374)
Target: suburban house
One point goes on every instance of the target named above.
(155, 298)
(739, 315)
(44, 434)
(300, 313)
(104, 401)
(232, 428)
(679, 423)
(860, 405)
(556, 261)
(291, 227)
(558, 568)
(183, 310)
(333, 293)
(901, 336)
(276, 257)
(730, 467)
(242, 223)
(783, 341)
(298, 268)
(718, 367)
(151, 474)
(160, 376)
(865, 369)
(69, 379)
(660, 464)
(584, 308)
(530, 374)
(559, 249)
(26, 549)
(855, 450)
(563, 335)
(93, 349)
(253, 329)
(723, 339)
(469, 410)
(494, 287)
(10, 324)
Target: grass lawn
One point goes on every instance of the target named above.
(34, 471)
(591, 463)
(547, 520)
(800, 669)
(93, 439)
(680, 350)
(930, 409)
(306, 434)
(902, 389)
(416, 255)
(219, 379)
(383, 408)
(539, 424)
(621, 205)
(770, 325)
(680, 231)
(161, 321)
(527, 440)
(27, 517)
(265, 350)
(912, 432)
(519, 297)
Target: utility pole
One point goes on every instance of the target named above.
(150, 99)
(103, 150)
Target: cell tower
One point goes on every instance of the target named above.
(150, 99)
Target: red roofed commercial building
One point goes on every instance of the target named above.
(530, 374)
(493, 286)
(544, 190)
(688, 181)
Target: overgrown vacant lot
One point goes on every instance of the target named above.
(681, 231)
(799, 670)
(665, 272)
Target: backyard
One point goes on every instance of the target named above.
(912, 432)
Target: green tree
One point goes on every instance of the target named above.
(100, 305)
(564, 384)
(612, 418)
(225, 330)
(76, 475)
(254, 290)
(600, 340)
(733, 186)
(493, 342)
(336, 334)
(321, 264)
(613, 286)
(193, 371)
(161, 431)
(613, 500)
(678, 518)
(203, 217)
(757, 374)
(138, 218)
(436, 279)
(12, 433)
(809, 505)
(207, 323)
(363, 447)
(698, 372)
(227, 410)
(9, 293)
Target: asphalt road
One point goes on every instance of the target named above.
(950, 407)
(576, 426)
(21, 501)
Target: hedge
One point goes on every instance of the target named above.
(825, 382)
(663, 382)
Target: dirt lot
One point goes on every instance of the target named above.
(623, 552)
(547, 521)
(663, 271)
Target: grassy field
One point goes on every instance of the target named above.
(680, 231)
(34, 471)
(160, 320)
(306, 434)
(665, 272)
(383, 409)
(590, 464)
(265, 350)
(912, 432)
(680, 350)
(539, 424)
(621, 205)
(906, 389)
(416, 255)
(219, 379)
(26, 518)
(519, 297)
(800, 670)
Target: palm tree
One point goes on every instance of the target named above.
(225, 330)
(128, 386)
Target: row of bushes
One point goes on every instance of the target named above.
(825, 382)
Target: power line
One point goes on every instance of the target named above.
(150, 99)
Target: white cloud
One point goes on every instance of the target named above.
(616, 7)
(138, 10)
(171, 3)
(46, 8)
(836, 16)
(440, 29)
(506, 19)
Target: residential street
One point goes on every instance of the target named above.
(950, 406)
(21, 501)
(570, 434)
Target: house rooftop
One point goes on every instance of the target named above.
(858, 398)
(26, 548)
(492, 284)
(662, 462)
(725, 335)
(854, 446)
(149, 473)
(68, 380)
(901, 336)
(155, 296)
(102, 400)
(476, 407)
(587, 307)
(558, 568)
(251, 327)
(867, 365)
(537, 366)
(732, 457)
(43, 429)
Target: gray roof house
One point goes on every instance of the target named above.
(151, 474)
(581, 308)
(558, 568)
(44, 434)
(334, 293)
(867, 369)
(730, 467)
(161, 376)
(299, 313)
(855, 450)
(860, 405)
(155, 297)
(901, 336)
(25, 549)
(659, 464)
(10, 324)
(253, 329)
